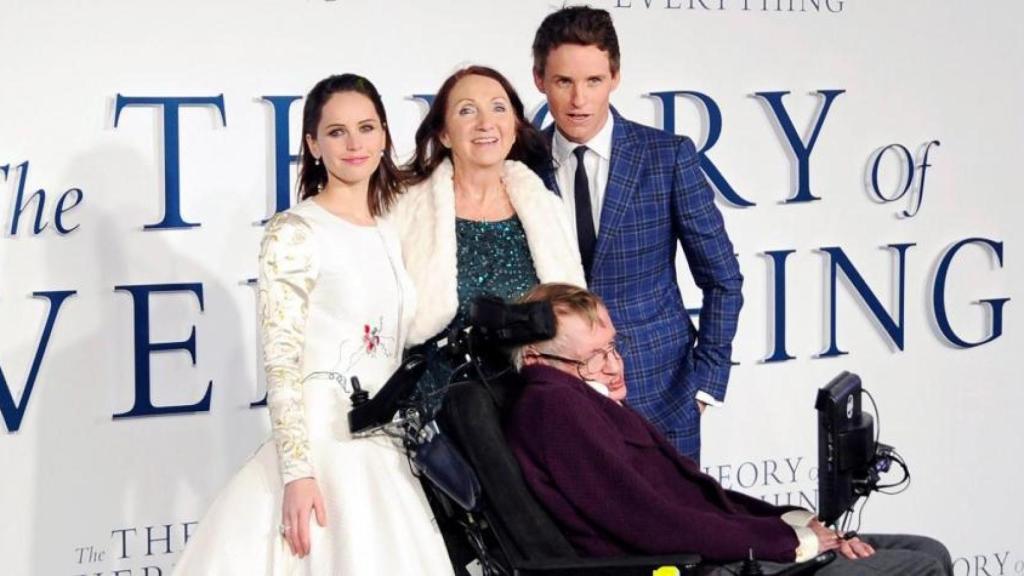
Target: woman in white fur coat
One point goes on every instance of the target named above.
(476, 219)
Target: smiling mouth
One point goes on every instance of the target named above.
(485, 141)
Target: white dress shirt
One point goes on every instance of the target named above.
(597, 161)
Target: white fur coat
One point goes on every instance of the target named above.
(425, 218)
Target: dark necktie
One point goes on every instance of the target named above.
(585, 234)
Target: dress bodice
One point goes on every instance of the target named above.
(493, 259)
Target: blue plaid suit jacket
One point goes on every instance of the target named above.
(656, 197)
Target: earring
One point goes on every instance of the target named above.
(316, 162)
(319, 187)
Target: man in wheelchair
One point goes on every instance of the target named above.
(616, 487)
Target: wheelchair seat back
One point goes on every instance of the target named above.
(472, 415)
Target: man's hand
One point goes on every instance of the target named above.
(299, 497)
(853, 548)
(827, 539)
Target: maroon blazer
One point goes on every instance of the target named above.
(616, 486)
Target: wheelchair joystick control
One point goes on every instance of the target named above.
(358, 396)
(751, 567)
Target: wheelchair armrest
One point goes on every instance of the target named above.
(619, 566)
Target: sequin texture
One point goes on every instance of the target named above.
(493, 259)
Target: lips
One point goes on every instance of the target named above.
(485, 141)
(355, 160)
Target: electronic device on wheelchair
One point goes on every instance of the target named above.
(493, 326)
(851, 460)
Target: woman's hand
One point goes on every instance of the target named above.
(299, 496)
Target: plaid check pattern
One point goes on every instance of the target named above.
(656, 197)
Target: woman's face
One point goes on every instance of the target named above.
(349, 139)
(479, 123)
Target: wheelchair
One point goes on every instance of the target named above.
(487, 513)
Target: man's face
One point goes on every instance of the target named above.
(578, 81)
(577, 340)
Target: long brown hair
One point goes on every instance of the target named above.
(529, 148)
(385, 184)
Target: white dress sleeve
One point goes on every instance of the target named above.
(287, 273)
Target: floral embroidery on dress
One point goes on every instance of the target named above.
(374, 343)
(287, 274)
(371, 338)
(370, 344)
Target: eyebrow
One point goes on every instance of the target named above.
(364, 121)
(472, 101)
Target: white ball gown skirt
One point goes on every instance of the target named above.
(378, 520)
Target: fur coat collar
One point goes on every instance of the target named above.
(425, 218)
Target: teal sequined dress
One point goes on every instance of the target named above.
(493, 259)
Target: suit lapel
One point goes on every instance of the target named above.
(626, 162)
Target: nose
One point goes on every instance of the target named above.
(484, 120)
(577, 96)
(613, 363)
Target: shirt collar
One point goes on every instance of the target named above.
(600, 144)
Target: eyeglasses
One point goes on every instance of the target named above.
(594, 363)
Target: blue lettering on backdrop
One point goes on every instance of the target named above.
(283, 158)
(939, 295)
(540, 115)
(172, 175)
(779, 353)
(801, 150)
(894, 329)
(908, 169)
(13, 411)
(20, 204)
(668, 107)
(144, 347)
(58, 215)
(427, 99)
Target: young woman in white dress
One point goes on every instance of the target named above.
(335, 303)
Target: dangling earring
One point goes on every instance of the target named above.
(316, 162)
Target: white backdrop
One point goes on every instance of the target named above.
(85, 493)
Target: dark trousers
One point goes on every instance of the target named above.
(895, 554)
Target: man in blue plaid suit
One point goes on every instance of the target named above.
(633, 193)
